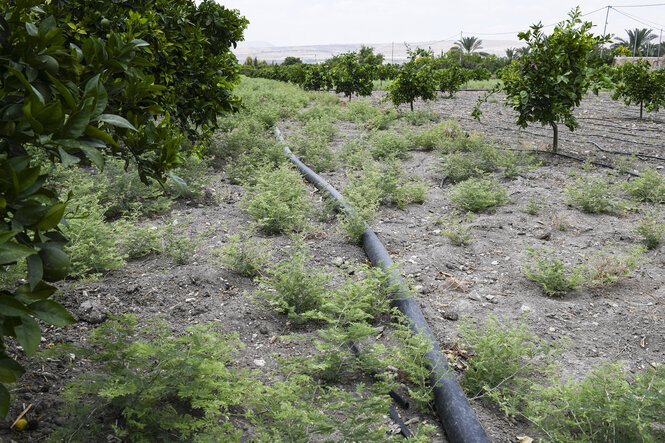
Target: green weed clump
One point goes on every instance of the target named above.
(551, 273)
(372, 117)
(593, 195)
(321, 127)
(245, 254)
(384, 184)
(315, 152)
(154, 386)
(293, 289)
(604, 407)
(438, 135)
(460, 166)
(457, 230)
(389, 145)
(479, 194)
(649, 187)
(278, 201)
(419, 118)
(506, 359)
(411, 359)
(651, 230)
(534, 206)
(517, 370)
(608, 266)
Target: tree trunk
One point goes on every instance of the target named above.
(411, 103)
(555, 139)
(641, 106)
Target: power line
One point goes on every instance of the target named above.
(640, 20)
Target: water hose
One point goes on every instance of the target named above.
(457, 417)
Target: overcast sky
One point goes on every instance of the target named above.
(303, 22)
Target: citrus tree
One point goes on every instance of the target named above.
(550, 78)
(635, 84)
(73, 91)
(415, 79)
(349, 76)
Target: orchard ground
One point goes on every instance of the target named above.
(608, 323)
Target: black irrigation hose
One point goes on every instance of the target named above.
(403, 429)
(401, 401)
(456, 415)
(636, 154)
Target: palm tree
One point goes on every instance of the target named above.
(469, 44)
(510, 53)
(638, 40)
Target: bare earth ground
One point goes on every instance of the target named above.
(623, 322)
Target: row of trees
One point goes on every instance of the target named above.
(349, 74)
(82, 80)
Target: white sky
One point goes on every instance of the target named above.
(304, 22)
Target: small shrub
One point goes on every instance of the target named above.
(604, 407)
(136, 242)
(245, 167)
(245, 255)
(460, 166)
(92, 241)
(411, 359)
(609, 266)
(177, 243)
(534, 206)
(356, 153)
(463, 143)
(156, 387)
(593, 195)
(649, 187)
(321, 127)
(551, 273)
(419, 118)
(439, 135)
(560, 222)
(369, 115)
(516, 163)
(507, 359)
(652, 231)
(195, 172)
(315, 152)
(389, 145)
(456, 230)
(278, 201)
(479, 194)
(294, 289)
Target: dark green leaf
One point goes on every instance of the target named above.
(42, 291)
(52, 217)
(100, 135)
(28, 334)
(10, 306)
(116, 120)
(52, 313)
(35, 270)
(10, 370)
(66, 158)
(11, 252)
(4, 400)
(94, 155)
(32, 29)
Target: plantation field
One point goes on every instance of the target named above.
(532, 270)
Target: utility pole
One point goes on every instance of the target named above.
(392, 54)
(604, 29)
(660, 42)
(460, 49)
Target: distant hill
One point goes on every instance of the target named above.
(392, 52)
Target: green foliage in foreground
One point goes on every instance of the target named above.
(648, 187)
(278, 201)
(517, 370)
(153, 384)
